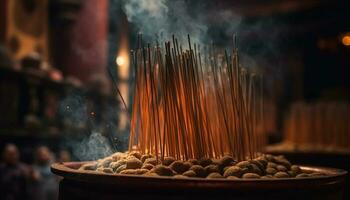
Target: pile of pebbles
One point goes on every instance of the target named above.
(262, 167)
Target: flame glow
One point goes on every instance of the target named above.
(123, 67)
(120, 61)
(346, 40)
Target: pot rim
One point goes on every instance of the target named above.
(69, 171)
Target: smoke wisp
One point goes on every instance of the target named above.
(159, 19)
(93, 147)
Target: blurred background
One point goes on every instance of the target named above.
(61, 62)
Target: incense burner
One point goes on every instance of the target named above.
(78, 184)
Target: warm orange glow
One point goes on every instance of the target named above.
(56, 75)
(120, 61)
(346, 40)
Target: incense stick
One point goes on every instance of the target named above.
(186, 106)
(321, 124)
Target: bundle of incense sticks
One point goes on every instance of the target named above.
(324, 124)
(189, 104)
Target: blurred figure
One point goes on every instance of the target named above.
(64, 156)
(14, 175)
(5, 58)
(46, 186)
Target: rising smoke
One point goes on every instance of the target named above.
(258, 39)
(205, 23)
(93, 147)
(84, 134)
(160, 19)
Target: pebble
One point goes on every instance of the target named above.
(168, 160)
(144, 157)
(246, 170)
(179, 167)
(255, 169)
(151, 161)
(129, 171)
(115, 165)
(121, 168)
(263, 161)
(211, 168)
(226, 161)
(251, 176)
(130, 157)
(194, 161)
(223, 170)
(283, 161)
(258, 164)
(281, 175)
(135, 154)
(296, 169)
(107, 170)
(190, 173)
(269, 158)
(163, 170)
(118, 156)
(214, 175)
(271, 171)
(105, 162)
(233, 171)
(147, 166)
(199, 170)
(271, 165)
(133, 163)
(281, 168)
(205, 162)
(142, 171)
(99, 169)
(243, 164)
(188, 164)
(216, 161)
